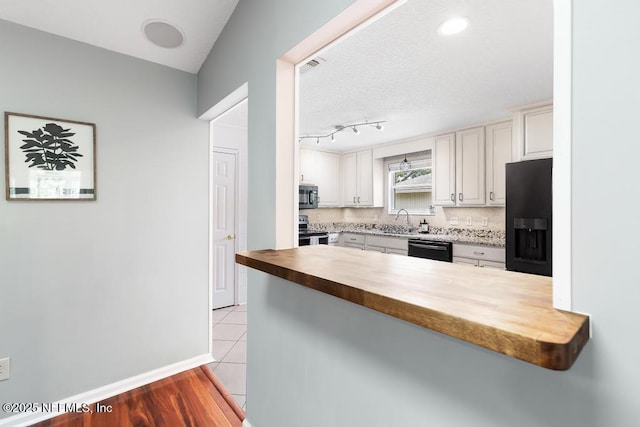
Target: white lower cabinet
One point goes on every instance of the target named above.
(479, 256)
(388, 245)
(350, 240)
(382, 244)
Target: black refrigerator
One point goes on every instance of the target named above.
(528, 216)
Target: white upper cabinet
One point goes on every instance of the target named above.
(445, 170)
(307, 166)
(322, 169)
(498, 153)
(460, 168)
(470, 167)
(533, 133)
(328, 179)
(362, 179)
(350, 179)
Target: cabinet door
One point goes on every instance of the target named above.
(444, 165)
(470, 167)
(328, 179)
(307, 166)
(364, 196)
(492, 264)
(397, 251)
(467, 261)
(537, 133)
(498, 155)
(349, 179)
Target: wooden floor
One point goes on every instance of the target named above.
(192, 398)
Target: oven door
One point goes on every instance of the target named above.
(439, 251)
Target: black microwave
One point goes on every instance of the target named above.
(308, 197)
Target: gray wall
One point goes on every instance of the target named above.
(96, 292)
(317, 361)
(246, 51)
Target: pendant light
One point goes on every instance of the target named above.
(405, 165)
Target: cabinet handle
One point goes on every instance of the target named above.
(478, 253)
(302, 177)
(358, 199)
(491, 195)
(354, 200)
(453, 197)
(460, 196)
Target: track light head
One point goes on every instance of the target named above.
(379, 126)
(355, 130)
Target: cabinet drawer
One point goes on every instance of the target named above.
(357, 239)
(486, 253)
(400, 243)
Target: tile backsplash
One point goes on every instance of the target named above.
(466, 218)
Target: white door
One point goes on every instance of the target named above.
(223, 228)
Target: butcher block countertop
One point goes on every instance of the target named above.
(510, 313)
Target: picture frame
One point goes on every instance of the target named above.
(48, 158)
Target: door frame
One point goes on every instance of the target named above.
(234, 99)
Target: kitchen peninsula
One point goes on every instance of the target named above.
(507, 312)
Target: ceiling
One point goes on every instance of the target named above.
(399, 69)
(117, 25)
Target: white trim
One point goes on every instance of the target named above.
(230, 101)
(246, 423)
(110, 390)
(562, 258)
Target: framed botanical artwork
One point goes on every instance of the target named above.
(49, 159)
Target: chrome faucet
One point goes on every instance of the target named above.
(405, 211)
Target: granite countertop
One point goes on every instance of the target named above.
(493, 238)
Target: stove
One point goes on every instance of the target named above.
(306, 237)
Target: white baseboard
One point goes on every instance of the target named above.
(110, 390)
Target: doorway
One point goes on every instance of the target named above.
(228, 205)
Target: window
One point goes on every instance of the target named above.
(411, 189)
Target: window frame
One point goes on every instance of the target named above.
(392, 166)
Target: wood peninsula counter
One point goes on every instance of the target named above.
(510, 313)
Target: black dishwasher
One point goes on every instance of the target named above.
(431, 249)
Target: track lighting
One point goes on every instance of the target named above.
(339, 128)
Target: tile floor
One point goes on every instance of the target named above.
(230, 350)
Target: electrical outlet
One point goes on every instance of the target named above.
(5, 368)
(453, 220)
(485, 221)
